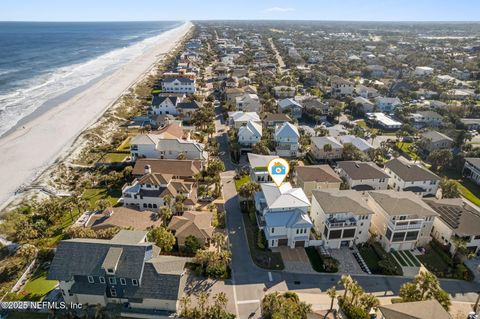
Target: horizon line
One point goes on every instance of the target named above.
(239, 20)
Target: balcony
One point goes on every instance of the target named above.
(337, 223)
(405, 224)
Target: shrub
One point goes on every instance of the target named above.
(261, 240)
(330, 264)
(353, 312)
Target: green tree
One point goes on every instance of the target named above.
(165, 214)
(286, 305)
(162, 237)
(425, 286)
(192, 244)
(247, 190)
(449, 188)
(332, 293)
(440, 159)
(351, 153)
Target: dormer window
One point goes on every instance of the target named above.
(134, 282)
(123, 282)
(112, 280)
(90, 279)
(101, 279)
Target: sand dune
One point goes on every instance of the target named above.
(30, 149)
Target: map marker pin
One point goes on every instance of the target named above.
(278, 169)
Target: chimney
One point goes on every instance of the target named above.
(148, 169)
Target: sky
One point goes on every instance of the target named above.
(147, 10)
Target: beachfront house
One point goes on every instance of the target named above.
(342, 217)
(282, 214)
(178, 85)
(123, 270)
(163, 105)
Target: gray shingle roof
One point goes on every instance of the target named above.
(410, 172)
(362, 170)
(335, 201)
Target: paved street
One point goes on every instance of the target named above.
(249, 281)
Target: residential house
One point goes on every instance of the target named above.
(232, 94)
(123, 217)
(341, 87)
(250, 134)
(434, 140)
(423, 119)
(187, 109)
(238, 119)
(342, 217)
(148, 192)
(178, 85)
(423, 71)
(428, 309)
(387, 104)
(163, 105)
(383, 121)
(286, 139)
(401, 220)
(282, 214)
(457, 219)
(183, 169)
(366, 91)
(317, 177)
(192, 223)
(407, 176)
(471, 169)
(248, 103)
(362, 176)
(471, 124)
(291, 107)
(320, 151)
(283, 92)
(258, 167)
(363, 104)
(125, 270)
(271, 120)
(358, 142)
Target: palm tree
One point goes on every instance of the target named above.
(167, 199)
(332, 293)
(184, 306)
(164, 213)
(218, 240)
(346, 281)
(102, 204)
(356, 290)
(202, 299)
(249, 189)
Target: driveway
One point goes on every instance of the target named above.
(347, 264)
(295, 260)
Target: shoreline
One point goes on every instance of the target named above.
(31, 149)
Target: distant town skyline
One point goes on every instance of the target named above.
(142, 10)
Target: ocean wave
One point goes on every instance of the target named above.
(30, 94)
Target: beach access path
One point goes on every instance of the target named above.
(26, 152)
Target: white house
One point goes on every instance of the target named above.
(471, 169)
(295, 108)
(342, 217)
(423, 71)
(282, 214)
(387, 104)
(401, 220)
(163, 105)
(407, 176)
(239, 118)
(286, 138)
(364, 104)
(457, 219)
(178, 85)
(258, 167)
(248, 103)
(341, 87)
(250, 134)
(366, 91)
(358, 142)
(383, 121)
(362, 176)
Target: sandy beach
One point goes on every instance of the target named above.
(37, 144)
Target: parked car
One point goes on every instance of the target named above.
(206, 199)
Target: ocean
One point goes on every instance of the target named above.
(42, 61)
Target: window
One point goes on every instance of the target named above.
(123, 282)
(90, 279)
(113, 292)
(273, 230)
(101, 279)
(273, 242)
(134, 282)
(112, 280)
(348, 233)
(398, 236)
(298, 230)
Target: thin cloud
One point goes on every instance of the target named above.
(279, 9)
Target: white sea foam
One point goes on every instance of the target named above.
(36, 91)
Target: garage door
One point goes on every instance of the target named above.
(300, 243)
(282, 242)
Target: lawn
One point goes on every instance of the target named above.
(410, 258)
(263, 258)
(38, 286)
(467, 188)
(400, 259)
(435, 261)
(407, 149)
(92, 195)
(370, 257)
(378, 260)
(315, 259)
(125, 146)
(243, 180)
(361, 123)
(114, 157)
